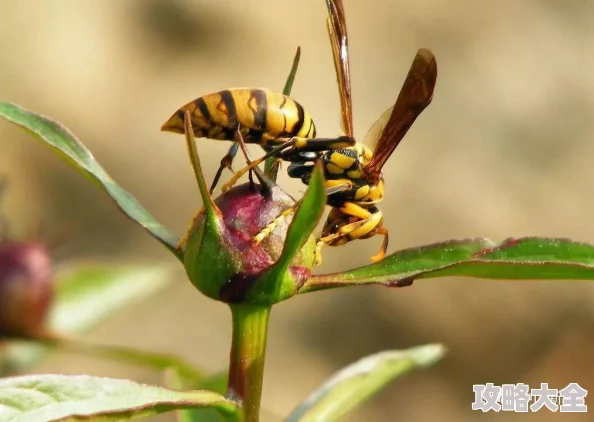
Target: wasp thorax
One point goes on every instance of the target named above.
(227, 257)
(26, 288)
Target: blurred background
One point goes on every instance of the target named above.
(504, 150)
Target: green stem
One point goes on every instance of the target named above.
(248, 351)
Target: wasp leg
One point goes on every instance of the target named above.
(312, 144)
(382, 252)
(274, 168)
(288, 211)
(246, 154)
(226, 163)
(368, 225)
(306, 144)
(255, 163)
(265, 232)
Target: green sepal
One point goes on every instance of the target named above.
(282, 280)
(207, 259)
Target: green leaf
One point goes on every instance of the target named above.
(269, 164)
(66, 145)
(88, 294)
(41, 398)
(291, 78)
(216, 383)
(355, 384)
(525, 258)
(306, 218)
(156, 361)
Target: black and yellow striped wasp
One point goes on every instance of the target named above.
(253, 115)
(353, 177)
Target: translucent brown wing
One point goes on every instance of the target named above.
(375, 131)
(339, 41)
(415, 95)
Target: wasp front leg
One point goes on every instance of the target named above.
(284, 148)
(331, 188)
(350, 222)
(253, 164)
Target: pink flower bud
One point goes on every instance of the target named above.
(26, 288)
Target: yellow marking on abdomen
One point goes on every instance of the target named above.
(258, 109)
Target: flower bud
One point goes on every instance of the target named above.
(26, 288)
(225, 263)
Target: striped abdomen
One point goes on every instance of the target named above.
(262, 114)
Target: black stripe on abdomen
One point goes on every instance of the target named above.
(229, 102)
(201, 105)
(258, 98)
(300, 119)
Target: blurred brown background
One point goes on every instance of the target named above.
(504, 150)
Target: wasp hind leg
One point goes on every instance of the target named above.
(382, 252)
(367, 225)
(272, 171)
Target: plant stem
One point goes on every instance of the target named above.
(248, 351)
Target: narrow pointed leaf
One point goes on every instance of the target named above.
(44, 398)
(66, 145)
(88, 294)
(525, 258)
(291, 78)
(357, 383)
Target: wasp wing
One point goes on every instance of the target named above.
(375, 131)
(415, 95)
(339, 41)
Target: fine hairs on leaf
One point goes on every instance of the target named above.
(80, 397)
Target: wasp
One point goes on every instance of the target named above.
(258, 116)
(353, 174)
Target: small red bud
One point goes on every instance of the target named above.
(227, 266)
(26, 288)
